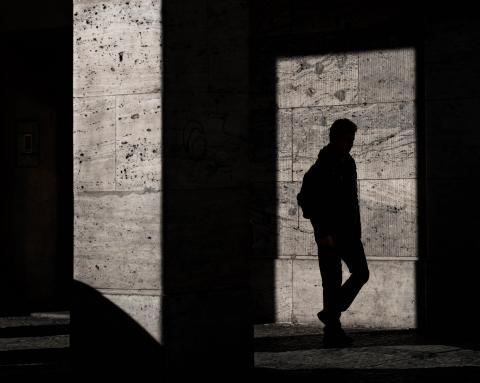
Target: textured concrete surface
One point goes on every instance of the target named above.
(94, 143)
(376, 89)
(138, 142)
(117, 153)
(384, 146)
(288, 290)
(386, 301)
(388, 211)
(387, 76)
(312, 81)
(117, 47)
(288, 236)
(284, 144)
(388, 216)
(117, 240)
(144, 308)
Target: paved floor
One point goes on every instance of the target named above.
(401, 355)
(39, 345)
(35, 346)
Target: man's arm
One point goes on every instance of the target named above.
(323, 218)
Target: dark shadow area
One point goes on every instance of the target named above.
(218, 177)
(35, 363)
(106, 341)
(449, 265)
(33, 331)
(36, 153)
(206, 307)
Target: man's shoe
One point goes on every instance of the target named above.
(328, 320)
(322, 317)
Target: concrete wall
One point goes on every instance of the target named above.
(161, 187)
(250, 91)
(376, 89)
(324, 70)
(117, 153)
(445, 167)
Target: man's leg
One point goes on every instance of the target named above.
(353, 255)
(331, 272)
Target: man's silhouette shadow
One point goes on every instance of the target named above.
(329, 198)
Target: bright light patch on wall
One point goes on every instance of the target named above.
(376, 90)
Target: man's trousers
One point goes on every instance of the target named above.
(338, 297)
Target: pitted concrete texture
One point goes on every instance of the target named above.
(294, 348)
(376, 90)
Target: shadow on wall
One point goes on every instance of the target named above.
(452, 163)
(107, 341)
(36, 202)
(206, 304)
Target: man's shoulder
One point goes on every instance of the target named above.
(324, 155)
(351, 159)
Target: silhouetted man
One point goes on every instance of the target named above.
(335, 217)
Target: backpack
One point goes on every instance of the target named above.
(306, 197)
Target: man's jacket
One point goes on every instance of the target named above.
(329, 195)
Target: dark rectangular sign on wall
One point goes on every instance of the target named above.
(28, 144)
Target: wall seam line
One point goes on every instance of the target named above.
(359, 179)
(156, 91)
(359, 103)
(358, 79)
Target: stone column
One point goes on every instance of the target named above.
(189, 286)
(117, 154)
(452, 145)
(207, 316)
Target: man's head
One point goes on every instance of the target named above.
(342, 135)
